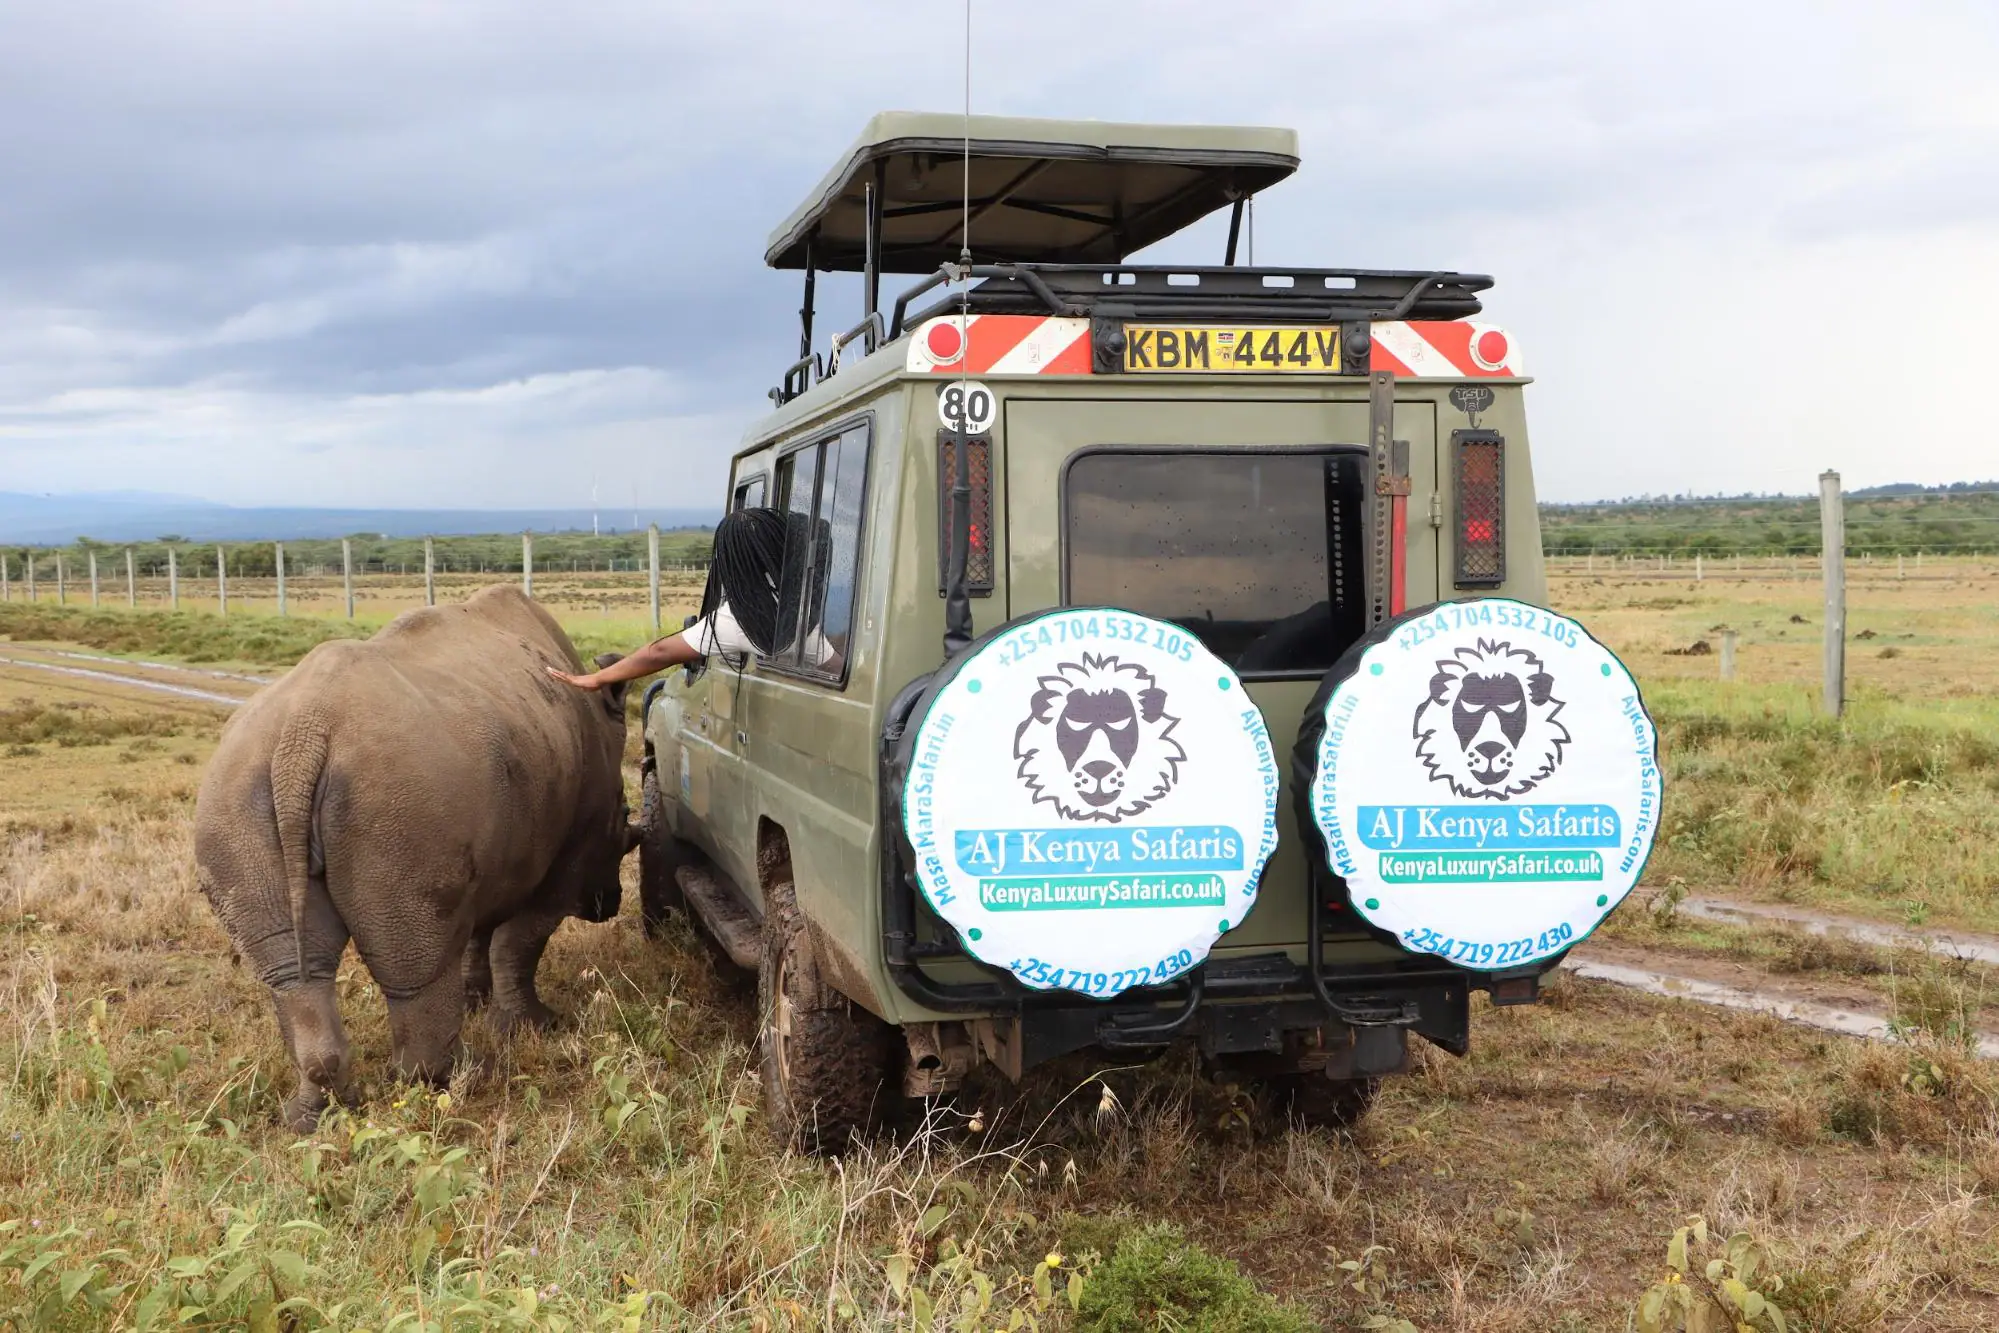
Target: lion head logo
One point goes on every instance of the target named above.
(1488, 725)
(1097, 742)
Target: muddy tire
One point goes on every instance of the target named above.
(1321, 1102)
(827, 1064)
(659, 856)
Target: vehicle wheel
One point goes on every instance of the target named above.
(826, 1062)
(1321, 1102)
(659, 892)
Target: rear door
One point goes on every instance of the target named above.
(1238, 519)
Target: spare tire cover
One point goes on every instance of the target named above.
(1089, 799)
(1484, 777)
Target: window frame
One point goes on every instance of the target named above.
(1323, 450)
(813, 440)
(743, 482)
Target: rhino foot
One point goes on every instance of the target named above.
(524, 1014)
(303, 1109)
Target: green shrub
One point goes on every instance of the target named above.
(1156, 1279)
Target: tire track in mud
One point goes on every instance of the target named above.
(132, 682)
(159, 666)
(1827, 1018)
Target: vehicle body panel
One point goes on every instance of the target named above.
(764, 751)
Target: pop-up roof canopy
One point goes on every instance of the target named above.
(1042, 191)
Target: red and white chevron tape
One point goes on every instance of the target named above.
(1054, 345)
(1453, 349)
(1001, 345)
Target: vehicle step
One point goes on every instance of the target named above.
(723, 915)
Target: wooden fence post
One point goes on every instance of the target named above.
(221, 582)
(173, 578)
(62, 587)
(527, 563)
(92, 553)
(31, 573)
(131, 581)
(347, 573)
(6, 583)
(429, 574)
(1728, 654)
(278, 550)
(1832, 538)
(652, 571)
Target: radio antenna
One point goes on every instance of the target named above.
(957, 603)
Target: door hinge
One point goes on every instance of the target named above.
(1436, 510)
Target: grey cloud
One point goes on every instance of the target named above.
(282, 231)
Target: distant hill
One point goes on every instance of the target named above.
(36, 520)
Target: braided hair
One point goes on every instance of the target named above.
(749, 553)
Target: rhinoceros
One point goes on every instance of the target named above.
(434, 795)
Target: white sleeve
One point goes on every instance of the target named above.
(719, 633)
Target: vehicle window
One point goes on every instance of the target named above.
(749, 494)
(821, 489)
(1257, 553)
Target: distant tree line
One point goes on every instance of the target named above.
(1885, 519)
(376, 554)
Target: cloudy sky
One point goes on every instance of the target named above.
(429, 253)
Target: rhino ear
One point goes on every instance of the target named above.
(612, 695)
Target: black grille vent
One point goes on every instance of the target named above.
(1481, 505)
(979, 560)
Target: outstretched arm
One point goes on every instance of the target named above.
(658, 655)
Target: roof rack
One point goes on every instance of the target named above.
(1318, 295)
(1055, 208)
(1130, 291)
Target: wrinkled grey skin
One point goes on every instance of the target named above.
(432, 794)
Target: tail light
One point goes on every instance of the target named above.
(1480, 471)
(979, 560)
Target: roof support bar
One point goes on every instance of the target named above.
(1235, 231)
(805, 309)
(873, 278)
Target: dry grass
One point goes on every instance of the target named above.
(1526, 1186)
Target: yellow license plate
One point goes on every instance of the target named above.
(1261, 349)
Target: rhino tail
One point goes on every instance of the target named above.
(297, 767)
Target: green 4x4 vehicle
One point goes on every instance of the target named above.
(1165, 651)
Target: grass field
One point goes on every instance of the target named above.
(615, 1173)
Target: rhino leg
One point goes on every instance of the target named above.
(516, 953)
(310, 1021)
(243, 878)
(424, 1025)
(479, 970)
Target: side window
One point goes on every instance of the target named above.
(821, 489)
(749, 493)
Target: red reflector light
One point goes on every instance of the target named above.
(1489, 350)
(1478, 530)
(945, 342)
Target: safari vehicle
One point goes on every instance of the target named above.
(1273, 460)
